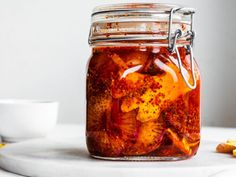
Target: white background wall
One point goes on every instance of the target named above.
(44, 51)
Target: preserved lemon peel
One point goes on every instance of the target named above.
(118, 61)
(149, 138)
(99, 107)
(194, 144)
(127, 124)
(153, 101)
(136, 58)
(106, 143)
(181, 116)
(182, 144)
(114, 130)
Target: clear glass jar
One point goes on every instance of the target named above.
(143, 84)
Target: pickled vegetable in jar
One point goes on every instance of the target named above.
(143, 84)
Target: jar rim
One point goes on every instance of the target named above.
(109, 11)
(157, 7)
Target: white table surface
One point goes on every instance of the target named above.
(208, 134)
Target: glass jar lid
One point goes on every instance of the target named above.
(140, 21)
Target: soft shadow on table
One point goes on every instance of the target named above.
(60, 154)
(73, 153)
(5, 173)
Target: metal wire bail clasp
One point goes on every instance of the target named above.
(173, 47)
(189, 48)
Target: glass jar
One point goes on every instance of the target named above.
(143, 84)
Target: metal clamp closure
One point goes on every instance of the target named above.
(194, 85)
(172, 40)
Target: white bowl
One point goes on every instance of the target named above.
(26, 119)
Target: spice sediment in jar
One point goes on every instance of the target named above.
(139, 104)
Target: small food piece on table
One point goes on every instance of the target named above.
(228, 147)
(225, 148)
(234, 152)
(232, 142)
